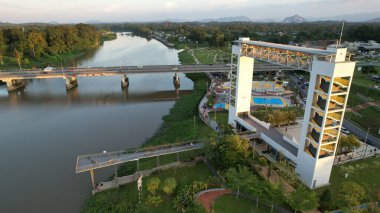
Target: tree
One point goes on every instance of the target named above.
(242, 177)
(153, 184)
(3, 47)
(368, 69)
(275, 192)
(303, 199)
(325, 199)
(227, 151)
(169, 185)
(18, 55)
(350, 194)
(348, 143)
(37, 43)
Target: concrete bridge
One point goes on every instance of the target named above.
(100, 160)
(15, 78)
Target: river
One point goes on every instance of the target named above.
(44, 128)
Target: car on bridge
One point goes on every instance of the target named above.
(48, 69)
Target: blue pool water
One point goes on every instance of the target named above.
(272, 101)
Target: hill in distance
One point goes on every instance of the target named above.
(374, 20)
(294, 19)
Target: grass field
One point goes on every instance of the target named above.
(122, 199)
(207, 55)
(364, 172)
(360, 84)
(370, 118)
(228, 204)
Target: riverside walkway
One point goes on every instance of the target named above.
(105, 159)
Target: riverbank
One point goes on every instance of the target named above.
(182, 123)
(10, 63)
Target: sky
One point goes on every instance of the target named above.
(64, 11)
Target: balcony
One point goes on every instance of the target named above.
(312, 150)
(318, 119)
(325, 85)
(315, 135)
(327, 151)
(328, 123)
(335, 116)
(331, 132)
(341, 82)
(321, 103)
(338, 99)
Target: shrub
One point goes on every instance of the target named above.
(153, 185)
(169, 185)
(153, 200)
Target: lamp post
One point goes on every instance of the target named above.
(366, 145)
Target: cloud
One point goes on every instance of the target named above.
(171, 4)
(111, 8)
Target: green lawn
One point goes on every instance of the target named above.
(364, 172)
(228, 204)
(369, 119)
(221, 117)
(122, 199)
(360, 84)
(207, 55)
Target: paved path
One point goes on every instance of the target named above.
(364, 106)
(207, 197)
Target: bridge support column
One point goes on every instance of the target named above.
(125, 81)
(176, 80)
(14, 85)
(92, 179)
(138, 166)
(71, 82)
(177, 156)
(115, 171)
(158, 160)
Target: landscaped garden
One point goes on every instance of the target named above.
(158, 194)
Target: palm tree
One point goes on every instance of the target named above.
(18, 55)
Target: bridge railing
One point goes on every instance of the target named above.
(146, 149)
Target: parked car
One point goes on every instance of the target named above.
(345, 131)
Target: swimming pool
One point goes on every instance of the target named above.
(268, 100)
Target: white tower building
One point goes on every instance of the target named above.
(330, 80)
(328, 92)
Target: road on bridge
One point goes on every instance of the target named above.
(124, 70)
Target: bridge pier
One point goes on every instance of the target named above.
(92, 179)
(176, 80)
(71, 82)
(125, 81)
(14, 85)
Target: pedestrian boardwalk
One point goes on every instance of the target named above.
(105, 159)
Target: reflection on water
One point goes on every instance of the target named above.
(44, 128)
